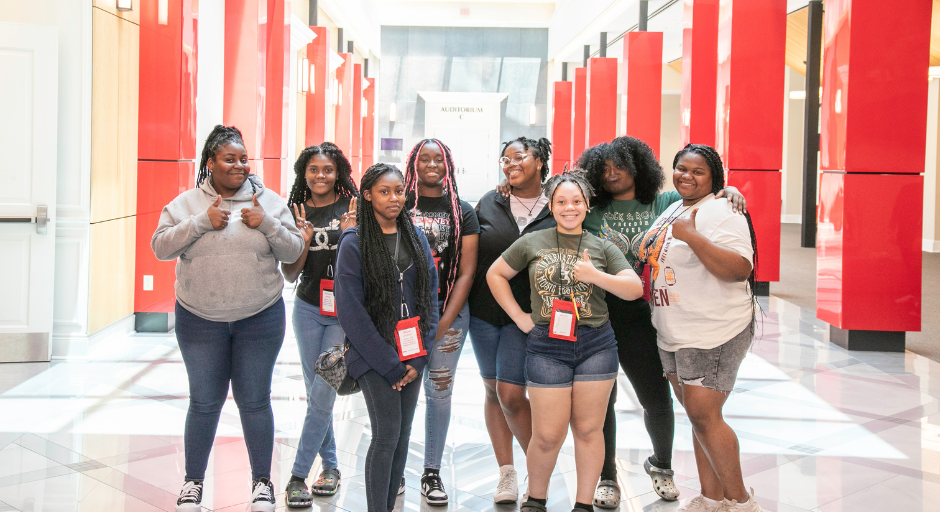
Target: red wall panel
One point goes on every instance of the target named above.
(368, 127)
(886, 105)
(318, 54)
(277, 76)
(699, 71)
(869, 255)
(642, 85)
(356, 94)
(762, 190)
(561, 126)
(344, 124)
(579, 114)
(601, 109)
(752, 38)
(243, 98)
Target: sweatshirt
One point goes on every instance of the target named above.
(368, 350)
(230, 274)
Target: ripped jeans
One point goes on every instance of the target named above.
(439, 387)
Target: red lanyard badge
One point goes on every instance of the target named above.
(564, 320)
(408, 336)
(327, 299)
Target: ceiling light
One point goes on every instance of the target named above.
(125, 5)
(532, 114)
(162, 11)
(391, 112)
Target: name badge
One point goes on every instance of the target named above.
(645, 280)
(327, 300)
(563, 323)
(408, 339)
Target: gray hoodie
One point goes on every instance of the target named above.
(229, 274)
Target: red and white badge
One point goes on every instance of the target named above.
(327, 299)
(645, 280)
(408, 339)
(563, 325)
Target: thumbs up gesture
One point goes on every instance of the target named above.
(217, 216)
(253, 216)
(684, 229)
(584, 270)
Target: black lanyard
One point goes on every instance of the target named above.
(401, 276)
(558, 248)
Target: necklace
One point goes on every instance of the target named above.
(535, 201)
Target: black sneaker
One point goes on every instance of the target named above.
(432, 488)
(297, 495)
(190, 499)
(401, 488)
(262, 496)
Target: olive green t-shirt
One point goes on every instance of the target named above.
(624, 222)
(540, 251)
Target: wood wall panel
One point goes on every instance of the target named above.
(111, 272)
(114, 102)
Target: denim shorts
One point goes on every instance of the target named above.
(554, 363)
(714, 368)
(500, 351)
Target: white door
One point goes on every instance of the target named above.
(475, 165)
(28, 100)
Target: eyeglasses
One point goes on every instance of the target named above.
(517, 159)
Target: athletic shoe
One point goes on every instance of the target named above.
(296, 495)
(663, 483)
(700, 504)
(401, 488)
(507, 490)
(734, 506)
(262, 496)
(432, 488)
(607, 494)
(190, 497)
(327, 484)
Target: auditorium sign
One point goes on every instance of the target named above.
(462, 109)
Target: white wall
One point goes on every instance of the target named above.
(73, 142)
(210, 63)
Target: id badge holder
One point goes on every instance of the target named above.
(327, 299)
(645, 280)
(563, 325)
(408, 337)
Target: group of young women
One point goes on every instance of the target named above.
(544, 275)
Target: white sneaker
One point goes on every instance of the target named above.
(262, 496)
(734, 506)
(507, 490)
(701, 504)
(432, 488)
(190, 497)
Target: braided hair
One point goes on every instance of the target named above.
(577, 177)
(344, 185)
(541, 149)
(627, 153)
(454, 241)
(218, 137)
(716, 167)
(380, 273)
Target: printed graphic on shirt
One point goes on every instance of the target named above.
(321, 237)
(550, 285)
(619, 226)
(436, 227)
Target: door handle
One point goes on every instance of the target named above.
(41, 219)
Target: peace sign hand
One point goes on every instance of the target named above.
(217, 216)
(253, 216)
(306, 228)
(349, 218)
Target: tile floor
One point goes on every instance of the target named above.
(821, 430)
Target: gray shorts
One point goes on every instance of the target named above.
(714, 368)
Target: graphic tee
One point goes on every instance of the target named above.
(524, 210)
(624, 222)
(432, 215)
(691, 307)
(322, 253)
(540, 252)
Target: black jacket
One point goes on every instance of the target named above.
(498, 230)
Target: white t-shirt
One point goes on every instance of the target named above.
(524, 210)
(691, 307)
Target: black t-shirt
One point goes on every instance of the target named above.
(322, 253)
(404, 254)
(432, 215)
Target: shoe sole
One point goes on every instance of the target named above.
(305, 504)
(320, 493)
(262, 507)
(189, 508)
(505, 501)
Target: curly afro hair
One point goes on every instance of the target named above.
(627, 153)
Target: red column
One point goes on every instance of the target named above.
(344, 125)
(561, 127)
(277, 89)
(356, 158)
(368, 127)
(643, 83)
(751, 67)
(318, 54)
(243, 100)
(578, 114)
(699, 71)
(601, 118)
(166, 146)
(872, 147)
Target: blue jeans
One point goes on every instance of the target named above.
(390, 416)
(315, 334)
(500, 351)
(439, 387)
(244, 353)
(555, 363)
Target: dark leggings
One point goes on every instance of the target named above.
(639, 358)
